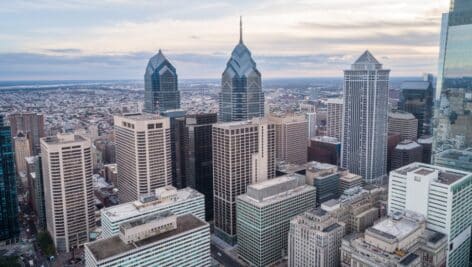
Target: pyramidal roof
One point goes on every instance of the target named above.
(157, 60)
(366, 58)
(366, 62)
(241, 62)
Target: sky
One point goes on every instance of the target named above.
(114, 39)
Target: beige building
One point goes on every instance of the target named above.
(68, 190)
(143, 154)
(334, 119)
(349, 180)
(403, 123)
(291, 133)
(243, 153)
(22, 150)
(400, 240)
(314, 239)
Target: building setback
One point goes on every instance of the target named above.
(241, 97)
(442, 196)
(9, 226)
(199, 157)
(159, 240)
(168, 198)
(314, 239)
(263, 217)
(243, 154)
(161, 91)
(290, 136)
(68, 190)
(143, 154)
(364, 140)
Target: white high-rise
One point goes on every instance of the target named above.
(243, 153)
(334, 120)
(143, 154)
(68, 189)
(443, 196)
(364, 140)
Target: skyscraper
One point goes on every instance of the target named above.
(143, 154)
(9, 226)
(442, 196)
(30, 124)
(403, 123)
(334, 120)
(177, 143)
(416, 97)
(68, 190)
(243, 153)
(199, 157)
(290, 136)
(161, 91)
(406, 152)
(241, 96)
(453, 112)
(22, 150)
(364, 140)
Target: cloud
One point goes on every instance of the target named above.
(64, 50)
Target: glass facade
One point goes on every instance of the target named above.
(453, 112)
(9, 227)
(160, 85)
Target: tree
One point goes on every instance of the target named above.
(46, 244)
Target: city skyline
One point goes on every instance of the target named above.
(37, 43)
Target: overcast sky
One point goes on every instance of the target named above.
(113, 39)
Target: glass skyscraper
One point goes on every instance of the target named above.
(241, 96)
(9, 227)
(453, 113)
(161, 91)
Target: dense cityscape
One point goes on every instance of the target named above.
(363, 170)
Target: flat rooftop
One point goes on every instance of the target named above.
(113, 246)
(445, 176)
(241, 124)
(64, 139)
(326, 139)
(391, 228)
(129, 210)
(140, 116)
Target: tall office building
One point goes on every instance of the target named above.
(161, 91)
(325, 149)
(290, 136)
(334, 120)
(241, 97)
(262, 239)
(9, 226)
(68, 190)
(199, 157)
(403, 123)
(179, 202)
(440, 194)
(406, 152)
(312, 126)
(364, 140)
(243, 154)
(455, 159)
(143, 154)
(22, 150)
(426, 143)
(159, 240)
(177, 144)
(416, 97)
(36, 190)
(30, 124)
(314, 239)
(453, 112)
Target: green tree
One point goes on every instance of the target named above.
(46, 244)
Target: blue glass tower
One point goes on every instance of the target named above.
(453, 111)
(161, 91)
(241, 96)
(9, 228)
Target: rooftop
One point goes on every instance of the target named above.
(114, 246)
(398, 228)
(241, 124)
(326, 139)
(140, 116)
(445, 176)
(64, 139)
(407, 145)
(401, 115)
(415, 85)
(335, 101)
(130, 210)
(408, 259)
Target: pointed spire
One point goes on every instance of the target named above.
(241, 29)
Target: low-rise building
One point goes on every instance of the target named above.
(325, 178)
(167, 198)
(158, 240)
(349, 180)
